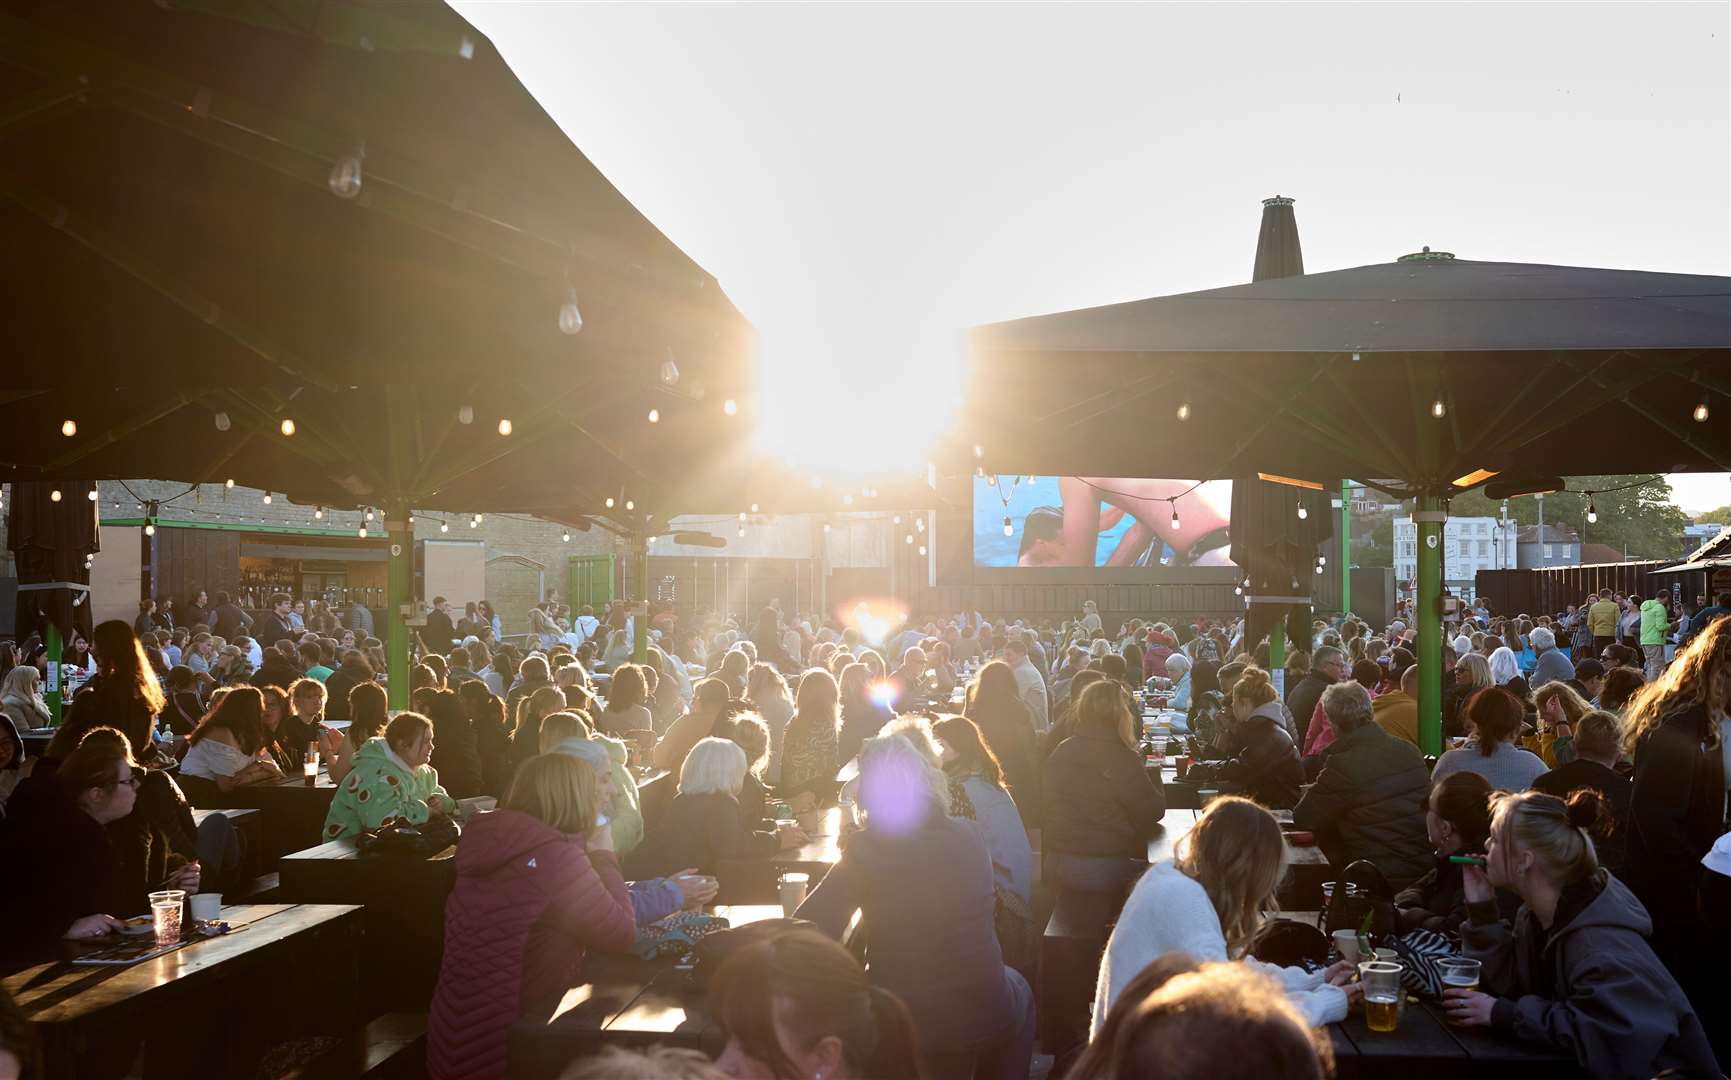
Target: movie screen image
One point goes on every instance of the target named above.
(1100, 521)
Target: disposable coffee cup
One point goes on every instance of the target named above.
(1346, 944)
(205, 906)
(793, 891)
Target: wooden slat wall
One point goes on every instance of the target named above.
(187, 560)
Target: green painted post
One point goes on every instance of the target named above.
(1427, 614)
(1277, 647)
(1345, 547)
(640, 623)
(54, 692)
(399, 594)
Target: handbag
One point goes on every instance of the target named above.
(398, 838)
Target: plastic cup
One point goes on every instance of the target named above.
(1459, 973)
(1382, 995)
(1181, 765)
(792, 888)
(1346, 944)
(204, 907)
(165, 921)
(310, 769)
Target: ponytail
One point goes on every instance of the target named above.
(1556, 832)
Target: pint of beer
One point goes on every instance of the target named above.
(1381, 994)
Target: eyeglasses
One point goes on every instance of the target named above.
(133, 779)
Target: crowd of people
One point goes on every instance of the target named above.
(987, 762)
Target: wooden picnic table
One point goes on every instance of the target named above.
(92, 1019)
(754, 881)
(293, 812)
(626, 1001)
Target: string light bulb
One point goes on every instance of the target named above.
(222, 421)
(465, 414)
(609, 502)
(730, 407)
(655, 416)
(1175, 525)
(480, 518)
(1700, 413)
(1009, 530)
(1438, 409)
(754, 508)
(565, 536)
(228, 485)
(287, 426)
(1184, 411)
(1592, 511)
(319, 512)
(369, 513)
(267, 498)
(362, 531)
(629, 505)
(740, 531)
(473, 524)
(69, 428)
(149, 529)
(54, 495)
(1319, 568)
(826, 527)
(444, 526)
(1303, 511)
(505, 426)
(922, 549)
(1322, 560)
(346, 175)
(908, 539)
(669, 370)
(570, 319)
(92, 495)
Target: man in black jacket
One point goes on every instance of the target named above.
(273, 625)
(1327, 666)
(1370, 799)
(228, 621)
(440, 631)
(1597, 740)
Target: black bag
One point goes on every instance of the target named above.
(1289, 943)
(397, 838)
(1375, 899)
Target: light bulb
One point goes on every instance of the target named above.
(345, 178)
(979, 451)
(1322, 560)
(570, 319)
(565, 536)
(629, 505)
(1237, 590)
(150, 530)
(362, 531)
(319, 512)
(1303, 512)
(222, 421)
(730, 407)
(1438, 409)
(908, 539)
(287, 426)
(669, 370)
(655, 416)
(505, 427)
(267, 498)
(369, 513)
(411, 519)
(473, 524)
(1592, 512)
(1175, 525)
(826, 526)
(1319, 568)
(1184, 411)
(444, 526)
(919, 524)
(1700, 413)
(754, 508)
(992, 479)
(1009, 530)
(480, 518)
(92, 495)
(609, 502)
(54, 495)
(922, 549)
(228, 485)
(740, 531)
(69, 428)
(465, 414)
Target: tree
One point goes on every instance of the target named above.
(1720, 516)
(1379, 550)
(1639, 517)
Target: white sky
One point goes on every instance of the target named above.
(869, 180)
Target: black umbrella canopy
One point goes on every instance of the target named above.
(1426, 370)
(178, 252)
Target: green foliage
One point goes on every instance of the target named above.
(1720, 516)
(1641, 518)
(1379, 550)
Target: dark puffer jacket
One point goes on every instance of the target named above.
(1675, 815)
(1265, 761)
(528, 901)
(1100, 800)
(1369, 803)
(1306, 692)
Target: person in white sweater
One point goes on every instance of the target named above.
(1208, 903)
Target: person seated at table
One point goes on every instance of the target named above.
(1574, 972)
(125, 693)
(1264, 762)
(1595, 748)
(739, 725)
(369, 711)
(799, 1005)
(277, 741)
(704, 825)
(456, 756)
(1207, 901)
(1458, 820)
(1369, 800)
(1559, 711)
(80, 878)
(1178, 678)
(305, 723)
(538, 886)
(863, 713)
(526, 728)
(391, 779)
(1180, 1019)
(1101, 805)
(624, 807)
(22, 701)
(185, 707)
(708, 698)
(228, 746)
(809, 745)
(1064, 724)
(485, 711)
(977, 793)
(995, 705)
(627, 708)
(923, 882)
(1496, 717)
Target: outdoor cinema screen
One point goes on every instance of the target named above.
(1097, 521)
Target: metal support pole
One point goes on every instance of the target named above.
(52, 691)
(640, 612)
(1345, 547)
(1427, 615)
(399, 598)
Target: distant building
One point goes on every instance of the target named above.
(1694, 536)
(1557, 545)
(1594, 554)
(1470, 544)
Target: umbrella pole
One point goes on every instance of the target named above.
(1427, 614)
(640, 609)
(1345, 548)
(399, 595)
(52, 692)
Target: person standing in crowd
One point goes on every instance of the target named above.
(440, 632)
(1369, 800)
(1674, 729)
(1656, 628)
(273, 625)
(1602, 618)
(1496, 716)
(1574, 972)
(1718, 609)
(197, 611)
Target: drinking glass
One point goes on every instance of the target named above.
(165, 921)
(1381, 981)
(310, 769)
(1459, 973)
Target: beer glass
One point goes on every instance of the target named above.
(1381, 994)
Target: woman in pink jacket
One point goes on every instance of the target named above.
(537, 885)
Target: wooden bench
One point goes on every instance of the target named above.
(391, 1047)
(1070, 951)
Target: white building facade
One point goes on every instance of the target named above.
(1470, 544)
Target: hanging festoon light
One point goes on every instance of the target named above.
(730, 407)
(267, 498)
(826, 527)
(362, 532)
(54, 496)
(565, 536)
(570, 319)
(346, 174)
(609, 502)
(228, 485)
(1303, 511)
(1009, 530)
(908, 539)
(1592, 511)
(922, 549)
(754, 508)
(465, 414)
(91, 495)
(370, 514)
(669, 370)
(480, 518)
(1700, 414)
(655, 416)
(629, 505)
(444, 526)
(474, 523)
(505, 426)
(1175, 525)
(1438, 409)
(919, 524)
(69, 428)
(319, 512)
(287, 426)
(222, 421)
(1184, 411)
(150, 528)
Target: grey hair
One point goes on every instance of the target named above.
(713, 765)
(1325, 654)
(1543, 639)
(1347, 706)
(902, 748)
(1177, 664)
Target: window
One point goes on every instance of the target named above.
(1484, 549)
(1548, 551)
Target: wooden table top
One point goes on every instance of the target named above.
(822, 849)
(59, 992)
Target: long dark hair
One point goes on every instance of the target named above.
(480, 703)
(973, 756)
(993, 689)
(628, 688)
(241, 712)
(811, 988)
(368, 712)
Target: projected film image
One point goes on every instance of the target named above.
(1034, 521)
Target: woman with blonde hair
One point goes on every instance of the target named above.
(538, 885)
(861, 716)
(531, 710)
(767, 693)
(21, 699)
(1674, 728)
(1574, 972)
(1560, 710)
(1208, 902)
(808, 748)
